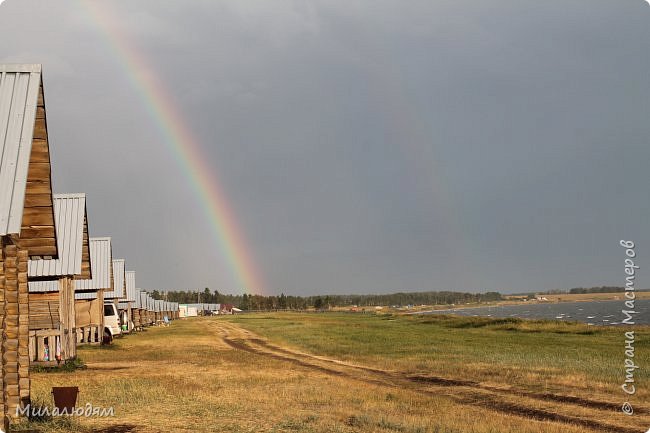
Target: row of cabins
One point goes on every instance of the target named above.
(56, 282)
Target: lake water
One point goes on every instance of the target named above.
(593, 313)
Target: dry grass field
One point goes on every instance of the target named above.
(286, 372)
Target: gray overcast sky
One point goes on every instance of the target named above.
(364, 146)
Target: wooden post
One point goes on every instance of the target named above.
(23, 328)
(102, 322)
(67, 319)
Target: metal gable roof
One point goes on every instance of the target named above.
(69, 216)
(19, 87)
(130, 287)
(138, 298)
(100, 258)
(118, 280)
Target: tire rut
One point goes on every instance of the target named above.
(479, 395)
(441, 381)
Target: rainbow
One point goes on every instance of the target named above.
(184, 146)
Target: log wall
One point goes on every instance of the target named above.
(3, 278)
(15, 327)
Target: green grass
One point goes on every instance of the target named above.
(68, 366)
(530, 353)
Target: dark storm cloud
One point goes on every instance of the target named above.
(365, 145)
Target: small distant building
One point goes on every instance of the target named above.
(227, 309)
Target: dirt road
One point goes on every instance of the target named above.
(593, 415)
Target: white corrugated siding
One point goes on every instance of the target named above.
(147, 301)
(101, 257)
(43, 286)
(118, 281)
(85, 295)
(69, 216)
(143, 300)
(19, 86)
(138, 298)
(130, 286)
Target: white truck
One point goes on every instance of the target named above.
(112, 326)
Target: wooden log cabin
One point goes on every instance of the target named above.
(89, 294)
(119, 284)
(127, 305)
(52, 324)
(152, 310)
(137, 310)
(166, 310)
(144, 322)
(144, 309)
(149, 309)
(158, 308)
(144, 296)
(26, 220)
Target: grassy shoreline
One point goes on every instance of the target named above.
(550, 299)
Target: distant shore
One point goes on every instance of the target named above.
(542, 299)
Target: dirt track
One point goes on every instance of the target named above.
(539, 406)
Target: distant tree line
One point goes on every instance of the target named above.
(583, 290)
(602, 289)
(283, 302)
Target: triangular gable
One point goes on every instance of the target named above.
(130, 286)
(26, 207)
(72, 240)
(119, 283)
(86, 263)
(101, 259)
(138, 298)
